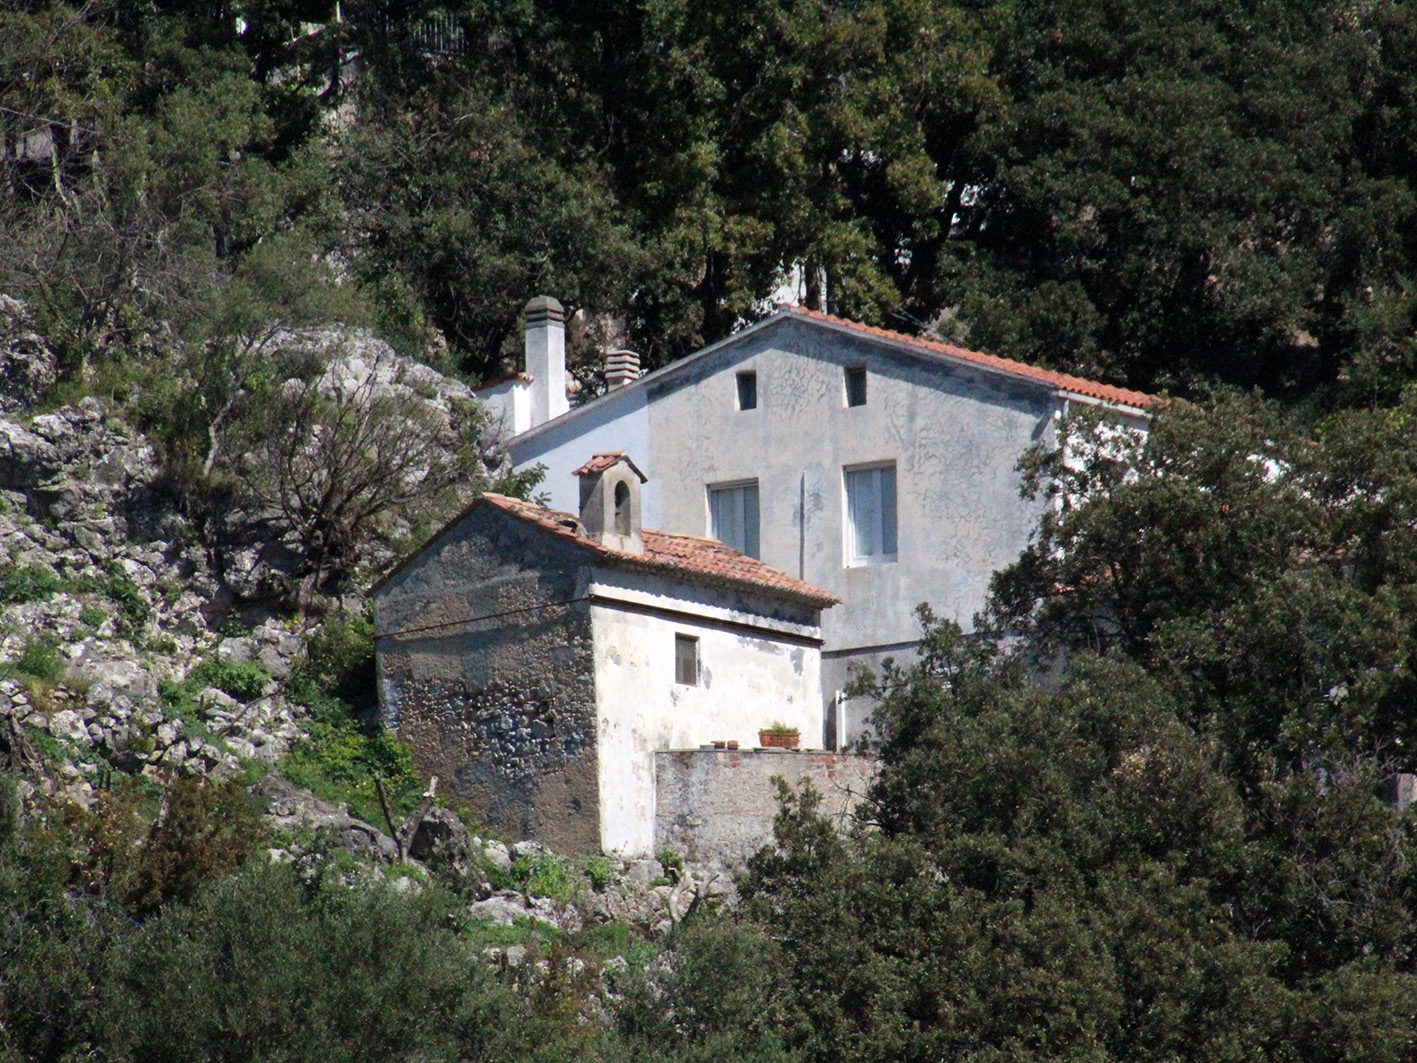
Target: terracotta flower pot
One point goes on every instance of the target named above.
(779, 739)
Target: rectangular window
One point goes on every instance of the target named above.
(870, 514)
(747, 391)
(733, 516)
(856, 386)
(686, 660)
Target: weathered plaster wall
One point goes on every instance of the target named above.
(955, 435)
(485, 669)
(753, 671)
(719, 805)
(508, 407)
(954, 432)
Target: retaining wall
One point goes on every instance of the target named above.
(715, 805)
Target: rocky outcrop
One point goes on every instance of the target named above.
(290, 808)
(27, 365)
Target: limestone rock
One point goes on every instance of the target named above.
(27, 364)
(496, 854)
(290, 807)
(69, 725)
(505, 908)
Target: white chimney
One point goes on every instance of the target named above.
(621, 367)
(546, 358)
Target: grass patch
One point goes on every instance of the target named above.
(49, 747)
(483, 933)
(180, 700)
(347, 749)
(133, 607)
(133, 611)
(547, 875)
(39, 660)
(615, 938)
(670, 860)
(600, 870)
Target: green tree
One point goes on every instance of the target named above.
(331, 467)
(1071, 873)
(1187, 192)
(1144, 812)
(457, 214)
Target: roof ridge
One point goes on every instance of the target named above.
(1063, 381)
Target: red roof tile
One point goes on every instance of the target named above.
(687, 556)
(1063, 381)
(608, 460)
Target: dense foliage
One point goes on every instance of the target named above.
(1159, 194)
(1143, 813)
(1147, 813)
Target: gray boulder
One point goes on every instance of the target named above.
(25, 458)
(290, 807)
(441, 837)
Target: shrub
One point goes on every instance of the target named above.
(27, 583)
(39, 660)
(133, 607)
(547, 875)
(339, 663)
(93, 616)
(346, 747)
(207, 832)
(264, 967)
(243, 681)
(671, 860)
(600, 870)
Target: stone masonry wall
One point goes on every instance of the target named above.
(717, 806)
(485, 669)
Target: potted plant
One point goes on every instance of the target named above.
(779, 736)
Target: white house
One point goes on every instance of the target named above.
(879, 466)
(537, 660)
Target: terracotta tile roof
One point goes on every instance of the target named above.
(1062, 381)
(689, 557)
(608, 460)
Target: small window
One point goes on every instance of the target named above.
(622, 508)
(856, 386)
(747, 391)
(686, 660)
(871, 531)
(733, 516)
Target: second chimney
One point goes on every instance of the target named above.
(610, 501)
(621, 368)
(546, 358)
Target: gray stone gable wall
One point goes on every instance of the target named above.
(501, 709)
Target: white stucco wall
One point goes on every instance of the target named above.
(508, 407)
(754, 670)
(619, 422)
(954, 432)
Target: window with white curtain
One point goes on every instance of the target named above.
(733, 515)
(870, 514)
